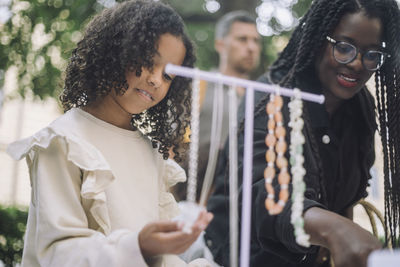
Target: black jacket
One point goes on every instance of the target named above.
(337, 177)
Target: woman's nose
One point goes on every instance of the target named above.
(356, 63)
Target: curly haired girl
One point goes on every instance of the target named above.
(100, 173)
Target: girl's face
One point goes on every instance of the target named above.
(150, 88)
(342, 81)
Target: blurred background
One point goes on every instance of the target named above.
(36, 39)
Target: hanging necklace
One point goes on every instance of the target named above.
(296, 161)
(276, 143)
(194, 140)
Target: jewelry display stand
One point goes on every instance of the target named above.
(250, 86)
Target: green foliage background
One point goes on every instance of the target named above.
(12, 229)
(40, 65)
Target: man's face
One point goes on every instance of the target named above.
(240, 48)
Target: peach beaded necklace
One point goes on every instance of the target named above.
(276, 143)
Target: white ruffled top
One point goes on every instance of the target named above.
(94, 186)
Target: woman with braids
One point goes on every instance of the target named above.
(337, 47)
(100, 173)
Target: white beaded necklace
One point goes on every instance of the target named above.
(296, 161)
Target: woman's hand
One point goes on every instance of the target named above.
(167, 237)
(348, 243)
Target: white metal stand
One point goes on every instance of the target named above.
(248, 138)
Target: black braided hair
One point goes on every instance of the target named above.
(296, 63)
(122, 38)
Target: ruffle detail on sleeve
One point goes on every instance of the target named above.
(97, 173)
(168, 206)
(172, 174)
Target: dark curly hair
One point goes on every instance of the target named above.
(296, 64)
(124, 38)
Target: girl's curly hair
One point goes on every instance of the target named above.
(122, 38)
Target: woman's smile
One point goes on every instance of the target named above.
(346, 80)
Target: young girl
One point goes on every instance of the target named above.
(335, 50)
(99, 185)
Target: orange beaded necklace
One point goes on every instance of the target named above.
(275, 141)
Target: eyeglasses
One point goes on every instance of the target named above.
(345, 53)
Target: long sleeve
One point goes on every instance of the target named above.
(89, 199)
(58, 231)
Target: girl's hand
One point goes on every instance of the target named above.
(167, 237)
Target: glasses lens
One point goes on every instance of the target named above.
(344, 52)
(373, 60)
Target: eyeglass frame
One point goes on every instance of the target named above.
(335, 42)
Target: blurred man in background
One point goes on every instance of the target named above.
(238, 45)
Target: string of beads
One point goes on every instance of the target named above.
(298, 171)
(276, 143)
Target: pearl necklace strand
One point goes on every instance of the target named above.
(297, 169)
